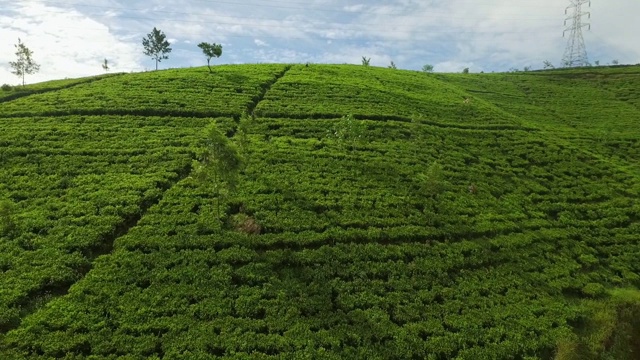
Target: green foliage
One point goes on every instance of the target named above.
(348, 132)
(392, 66)
(432, 181)
(156, 46)
(6, 87)
(7, 217)
(422, 227)
(594, 290)
(210, 51)
(24, 64)
(219, 165)
(224, 93)
(329, 92)
(428, 68)
(609, 330)
(465, 70)
(365, 61)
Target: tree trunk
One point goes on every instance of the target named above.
(209, 66)
(156, 64)
(22, 78)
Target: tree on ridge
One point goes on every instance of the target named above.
(24, 64)
(210, 51)
(156, 46)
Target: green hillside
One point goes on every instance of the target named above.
(373, 214)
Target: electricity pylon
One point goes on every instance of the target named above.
(576, 52)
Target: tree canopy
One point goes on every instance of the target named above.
(24, 64)
(210, 51)
(156, 46)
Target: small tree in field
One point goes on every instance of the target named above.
(366, 61)
(548, 65)
(392, 65)
(105, 65)
(156, 46)
(210, 51)
(24, 64)
(465, 70)
(428, 68)
(219, 165)
(432, 181)
(348, 132)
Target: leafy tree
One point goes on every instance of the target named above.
(465, 70)
(527, 68)
(24, 64)
(365, 61)
(597, 62)
(392, 65)
(548, 64)
(219, 164)
(432, 181)
(210, 51)
(156, 46)
(615, 62)
(105, 65)
(428, 68)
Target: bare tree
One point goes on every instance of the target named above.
(105, 65)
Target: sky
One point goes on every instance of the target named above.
(71, 38)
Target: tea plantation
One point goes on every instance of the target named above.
(321, 212)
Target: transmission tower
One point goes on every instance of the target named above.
(576, 52)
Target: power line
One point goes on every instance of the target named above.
(576, 52)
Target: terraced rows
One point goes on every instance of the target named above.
(422, 227)
(183, 92)
(73, 184)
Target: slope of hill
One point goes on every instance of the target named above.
(378, 214)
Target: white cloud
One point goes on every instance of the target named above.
(64, 43)
(71, 40)
(354, 8)
(259, 42)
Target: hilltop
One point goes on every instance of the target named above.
(374, 214)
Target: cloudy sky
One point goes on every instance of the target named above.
(71, 38)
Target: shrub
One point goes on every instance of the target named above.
(6, 87)
(594, 290)
(7, 221)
